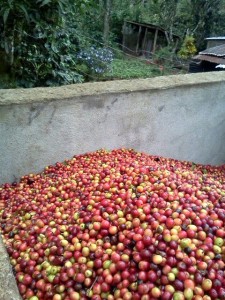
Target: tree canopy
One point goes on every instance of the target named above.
(42, 40)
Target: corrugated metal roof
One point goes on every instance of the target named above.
(152, 26)
(216, 38)
(218, 51)
(212, 59)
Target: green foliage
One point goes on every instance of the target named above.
(200, 18)
(204, 16)
(162, 13)
(39, 42)
(6, 82)
(131, 68)
(41, 38)
(188, 48)
(47, 59)
(164, 55)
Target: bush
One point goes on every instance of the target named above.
(188, 48)
(97, 60)
(47, 59)
(39, 41)
(164, 55)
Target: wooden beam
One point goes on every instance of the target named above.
(155, 41)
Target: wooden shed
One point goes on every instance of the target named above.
(143, 39)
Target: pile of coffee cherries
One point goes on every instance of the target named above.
(117, 225)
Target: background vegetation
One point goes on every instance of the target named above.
(56, 42)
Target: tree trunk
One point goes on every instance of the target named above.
(107, 6)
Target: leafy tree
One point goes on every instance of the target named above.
(39, 40)
(219, 20)
(163, 13)
(204, 15)
(107, 14)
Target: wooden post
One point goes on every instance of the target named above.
(155, 41)
(176, 43)
(124, 32)
(138, 39)
(144, 42)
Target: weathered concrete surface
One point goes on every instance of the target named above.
(176, 116)
(18, 96)
(8, 287)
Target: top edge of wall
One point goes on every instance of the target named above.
(45, 94)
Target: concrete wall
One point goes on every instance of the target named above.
(8, 287)
(176, 116)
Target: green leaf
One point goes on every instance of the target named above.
(61, 5)
(44, 2)
(5, 15)
(25, 12)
